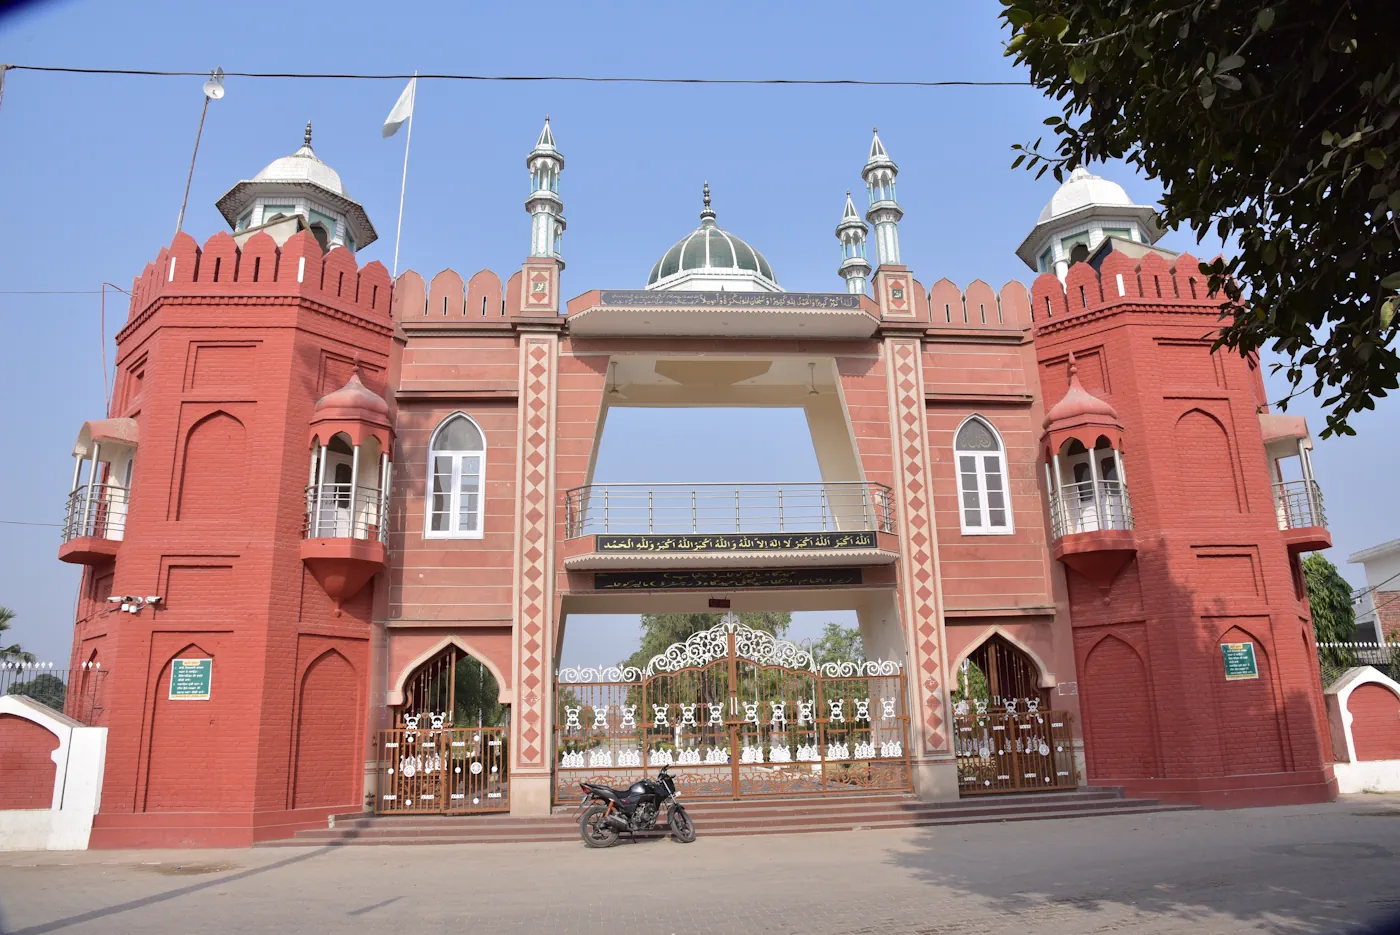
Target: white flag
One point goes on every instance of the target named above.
(403, 109)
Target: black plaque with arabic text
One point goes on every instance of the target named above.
(726, 579)
(694, 543)
(646, 298)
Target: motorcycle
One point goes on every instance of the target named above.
(608, 812)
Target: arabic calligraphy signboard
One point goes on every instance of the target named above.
(726, 578)
(733, 542)
(645, 298)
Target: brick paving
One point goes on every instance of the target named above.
(1304, 869)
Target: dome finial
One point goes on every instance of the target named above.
(1073, 368)
(306, 139)
(707, 213)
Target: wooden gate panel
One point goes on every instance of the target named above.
(434, 769)
(1014, 751)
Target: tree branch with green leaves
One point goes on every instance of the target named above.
(1272, 123)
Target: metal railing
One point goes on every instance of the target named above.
(845, 506)
(1090, 506)
(75, 692)
(1299, 504)
(97, 510)
(333, 512)
(1335, 658)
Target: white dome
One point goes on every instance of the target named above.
(302, 166)
(1082, 189)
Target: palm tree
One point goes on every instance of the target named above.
(11, 653)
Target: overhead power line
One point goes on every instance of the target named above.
(595, 79)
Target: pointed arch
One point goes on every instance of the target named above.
(979, 458)
(1206, 458)
(395, 696)
(1119, 732)
(1047, 677)
(455, 494)
(214, 468)
(324, 770)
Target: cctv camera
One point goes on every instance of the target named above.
(115, 599)
(153, 600)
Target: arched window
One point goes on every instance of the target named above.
(982, 492)
(456, 469)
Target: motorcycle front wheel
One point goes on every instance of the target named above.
(682, 828)
(592, 829)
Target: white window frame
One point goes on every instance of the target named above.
(455, 506)
(985, 529)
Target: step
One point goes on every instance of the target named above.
(766, 809)
(737, 824)
(466, 835)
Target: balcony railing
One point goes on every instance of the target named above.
(96, 510)
(1090, 506)
(1299, 504)
(333, 513)
(634, 509)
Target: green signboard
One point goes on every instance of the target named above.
(190, 679)
(1239, 661)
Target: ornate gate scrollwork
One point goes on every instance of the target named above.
(736, 712)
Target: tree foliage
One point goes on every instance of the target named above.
(11, 653)
(659, 631)
(475, 695)
(839, 644)
(1276, 122)
(1329, 596)
(45, 688)
(1333, 614)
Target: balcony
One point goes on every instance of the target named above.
(344, 536)
(94, 523)
(1301, 518)
(330, 513)
(655, 525)
(1090, 506)
(1092, 525)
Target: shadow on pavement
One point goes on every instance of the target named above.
(94, 914)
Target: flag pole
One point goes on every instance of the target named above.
(180, 221)
(403, 183)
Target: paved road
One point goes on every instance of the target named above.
(1283, 870)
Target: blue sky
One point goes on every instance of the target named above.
(93, 170)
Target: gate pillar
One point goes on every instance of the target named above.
(919, 599)
(533, 596)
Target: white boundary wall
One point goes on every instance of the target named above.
(77, 790)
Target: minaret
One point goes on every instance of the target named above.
(544, 205)
(854, 268)
(879, 174)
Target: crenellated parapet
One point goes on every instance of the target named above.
(977, 307)
(222, 269)
(448, 302)
(1121, 280)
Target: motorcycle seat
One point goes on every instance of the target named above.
(607, 792)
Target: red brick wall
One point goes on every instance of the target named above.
(1388, 612)
(1375, 725)
(1248, 706)
(27, 770)
(328, 715)
(1117, 712)
(1210, 563)
(233, 347)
